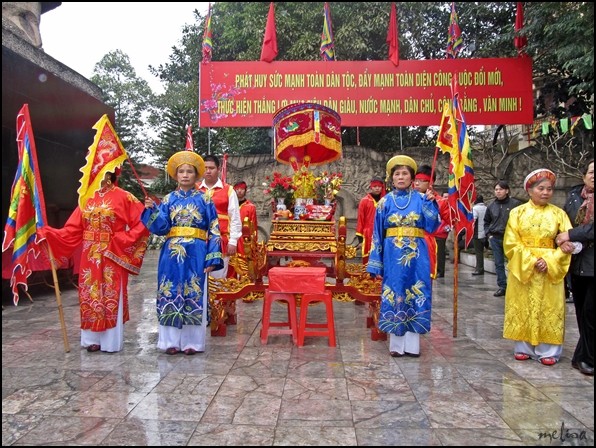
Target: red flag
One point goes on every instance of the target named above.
(454, 39)
(392, 33)
(190, 146)
(207, 38)
(105, 155)
(27, 206)
(269, 50)
(327, 45)
(519, 41)
(453, 139)
(224, 168)
(466, 188)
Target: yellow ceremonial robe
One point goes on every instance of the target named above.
(535, 301)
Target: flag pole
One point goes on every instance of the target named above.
(455, 281)
(58, 299)
(208, 140)
(136, 175)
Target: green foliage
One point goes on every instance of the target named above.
(172, 138)
(560, 41)
(131, 98)
(560, 37)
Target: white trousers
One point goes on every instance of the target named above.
(538, 351)
(409, 342)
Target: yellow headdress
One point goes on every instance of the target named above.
(400, 160)
(182, 157)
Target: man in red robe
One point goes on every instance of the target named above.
(247, 210)
(436, 241)
(366, 215)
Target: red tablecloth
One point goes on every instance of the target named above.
(297, 279)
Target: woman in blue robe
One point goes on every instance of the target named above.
(399, 255)
(192, 249)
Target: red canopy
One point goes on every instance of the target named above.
(307, 134)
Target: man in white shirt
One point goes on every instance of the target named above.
(228, 210)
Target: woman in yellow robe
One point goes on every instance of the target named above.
(535, 297)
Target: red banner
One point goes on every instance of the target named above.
(368, 93)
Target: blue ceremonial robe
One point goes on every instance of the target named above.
(400, 254)
(183, 259)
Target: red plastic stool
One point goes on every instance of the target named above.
(322, 329)
(291, 323)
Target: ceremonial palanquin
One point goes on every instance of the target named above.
(306, 135)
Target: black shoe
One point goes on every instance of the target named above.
(585, 368)
(440, 275)
(396, 354)
(500, 292)
(413, 355)
(478, 272)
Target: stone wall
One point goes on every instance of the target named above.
(359, 165)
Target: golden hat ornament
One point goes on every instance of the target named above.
(400, 160)
(182, 157)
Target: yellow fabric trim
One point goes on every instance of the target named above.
(332, 145)
(226, 217)
(187, 232)
(405, 231)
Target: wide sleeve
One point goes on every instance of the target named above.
(63, 242)
(129, 242)
(214, 256)
(361, 217)
(375, 260)
(157, 218)
(557, 261)
(431, 215)
(522, 259)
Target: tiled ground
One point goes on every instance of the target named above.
(464, 390)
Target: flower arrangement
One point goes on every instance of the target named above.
(279, 186)
(327, 185)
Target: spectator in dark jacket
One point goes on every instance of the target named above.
(495, 221)
(580, 209)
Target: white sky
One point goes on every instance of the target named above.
(80, 34)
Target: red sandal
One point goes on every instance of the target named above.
(522, 356)
(548, 361)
